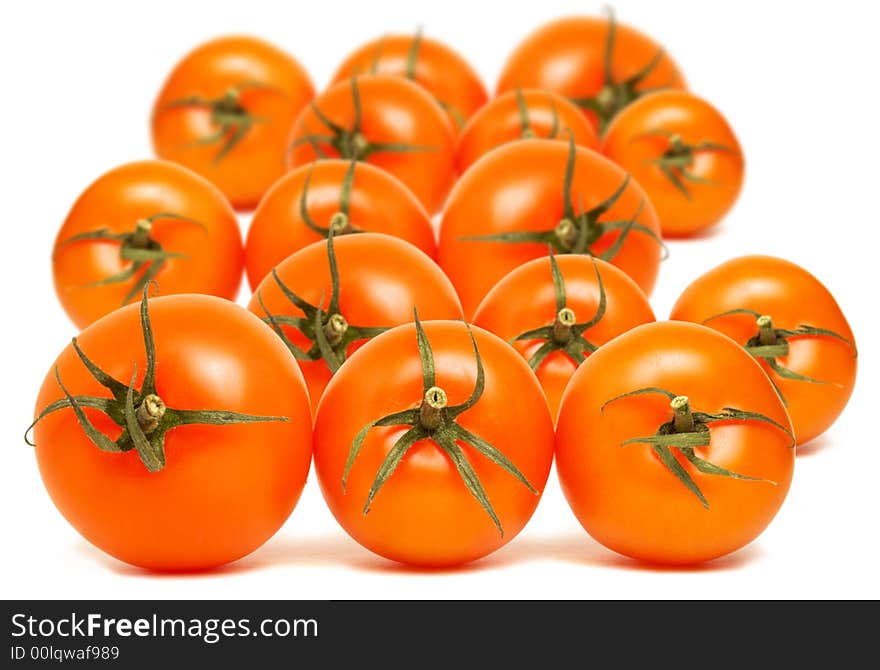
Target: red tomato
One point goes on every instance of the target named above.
(790, 323)
(557, 312)
(349, 197)
(225, 111)
(384, 120)
(192, 446)
(518, 115)
(356, 286)
(142, 221)
(455, 468)
(672, 445)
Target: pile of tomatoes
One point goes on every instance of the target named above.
(432, 378)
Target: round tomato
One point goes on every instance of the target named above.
(525, 196)
(518, 115)
(142, 221)
(672, 445)
(175, 435)
(349, 197)
(600, 64)
(225, 111)
(442, 434)
(557, 312)
(328, 298)
(440, 70)
(683, 153)
(384, 120)
(790, 323)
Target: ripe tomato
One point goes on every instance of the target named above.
(384, 120)
(790, 323)
(522, 115)
(442, 434)
(672, 446)
(524, 196)
(683, 153)
(142, 221)
(440, 70)
(557, 312)
(600, 64)
(192, 446)
(225, 111)
(356, 287)
(348, 197)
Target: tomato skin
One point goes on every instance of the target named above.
(381, 279)
(225, 489)
(209, 71)
(624, 497)
(520, 187)
(524, 299)
(115, 201)
(393, 110)
(567, 56)
(379, 203)
(499, 122)
(792, 297)
(440, 70)
(694, 120)
(424, 515)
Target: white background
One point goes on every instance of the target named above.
(798, 83)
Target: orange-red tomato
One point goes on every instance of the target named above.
(600, 64)
(591, 303)
(516, 115)
(654, 430)
(521, 197)
(225, 112)
(348, 197)
(380, 279)
(790, 323)
(384, 120)
(683, 153)
(142, 221)
(458, 470)
(217, 485)
(437, 68)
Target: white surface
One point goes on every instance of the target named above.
(795, 80)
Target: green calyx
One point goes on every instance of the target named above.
(770, 342)
(140, 413)
(688, 430)
(615, 95)
(136, 247)
(526, 131)
(327, 330)
(350, 143)
(340, 223)
(232, 119)
(565, 333)
(677, 160)
(577, 232)
(436, 420)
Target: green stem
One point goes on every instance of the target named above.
(565, 319)
(431, 409)
(150, 412)
(335, 329)
(566, 233)
(340, 224)
(766, 332)
(683, 418)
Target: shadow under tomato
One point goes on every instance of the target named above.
(814, 446)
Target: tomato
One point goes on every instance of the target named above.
(442, 434)
(683, 153)
(790, 323)
(672, 445)
(600, 64)
(142, 221)
(557, 312)
(356, 286)
(349, 196)
(437, 68)
(520, 198)
(522, 115)
(175, 435)
(384, 120)
(225, 111)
